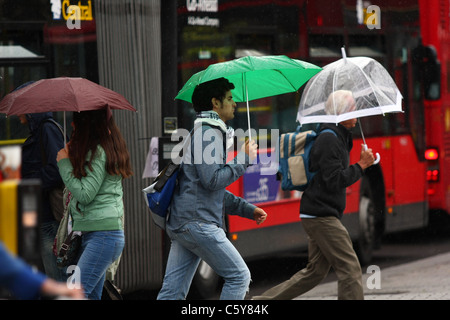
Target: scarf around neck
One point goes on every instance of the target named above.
(212, 118)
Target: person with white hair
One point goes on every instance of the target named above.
(322, 206)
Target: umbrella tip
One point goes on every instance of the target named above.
(344, 55)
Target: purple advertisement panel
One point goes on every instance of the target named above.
(260, 183)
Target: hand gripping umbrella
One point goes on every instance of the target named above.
(370, 84)
(62, 94)
(254, 77)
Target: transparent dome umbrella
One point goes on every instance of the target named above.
(254, 77)
(372, 88)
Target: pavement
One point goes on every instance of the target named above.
(426, 279)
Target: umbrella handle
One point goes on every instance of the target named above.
(378, 158)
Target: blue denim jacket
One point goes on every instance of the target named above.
(200, 194)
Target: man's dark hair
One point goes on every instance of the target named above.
(204, 92)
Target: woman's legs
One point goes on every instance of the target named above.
(99, 250)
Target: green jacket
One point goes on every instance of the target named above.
(97, 199)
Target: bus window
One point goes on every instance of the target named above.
(427, 71)
(415, 110)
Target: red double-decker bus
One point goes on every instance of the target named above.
(410, 38)
(435, 31)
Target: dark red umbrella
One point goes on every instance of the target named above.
(62, 94)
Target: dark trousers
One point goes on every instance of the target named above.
(329, 246)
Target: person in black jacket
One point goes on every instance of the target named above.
(322, 206)
(39, 162)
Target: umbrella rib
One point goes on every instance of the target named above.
(76, 98)
(313, 80)
(289, 81)
(370, 83)
(333, 90)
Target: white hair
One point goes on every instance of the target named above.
(339, 102)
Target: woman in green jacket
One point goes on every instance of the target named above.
(92, 166)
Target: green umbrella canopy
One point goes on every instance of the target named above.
(260, 77)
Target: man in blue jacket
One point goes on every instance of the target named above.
(200, 201)
(39, 162)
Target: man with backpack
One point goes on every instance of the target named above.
(200, 202)
(321, 209)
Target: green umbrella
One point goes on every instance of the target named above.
(254, 77)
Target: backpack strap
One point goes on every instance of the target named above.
(328, 130)
(168, 170)
(165, 175)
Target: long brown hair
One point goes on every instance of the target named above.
(92, 128)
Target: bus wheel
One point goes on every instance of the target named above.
(206, 280)
(365, 242)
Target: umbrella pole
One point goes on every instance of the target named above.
(362, 134)
(248, 107)
(248, 110)
(377, 160)
(65, 141)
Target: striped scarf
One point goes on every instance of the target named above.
(212, 118)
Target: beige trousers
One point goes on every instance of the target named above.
(329, 246)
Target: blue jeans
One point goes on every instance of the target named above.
(198, 241)
(48, 233)
(98, 250)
